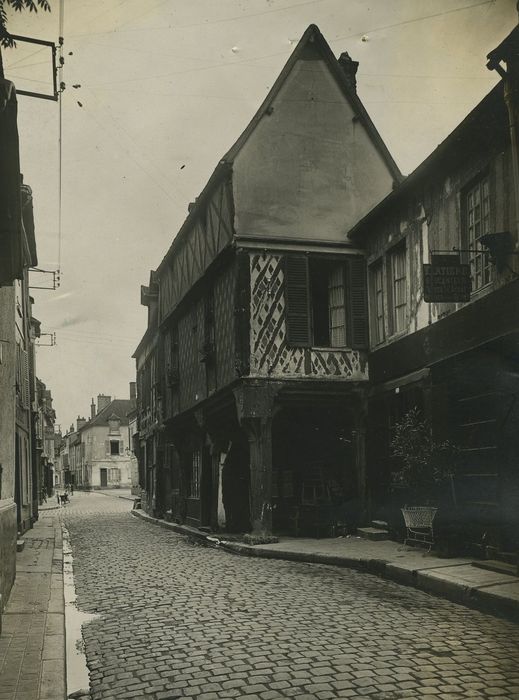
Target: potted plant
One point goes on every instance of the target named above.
(426, 468)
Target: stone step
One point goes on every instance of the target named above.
(508, 557)
(372, 533)
(499, 567)
(380, 525)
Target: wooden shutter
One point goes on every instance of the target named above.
(297, 300)
(357, 304)
(107, 447)
(121, 447)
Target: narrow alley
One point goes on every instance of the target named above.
(179, 620)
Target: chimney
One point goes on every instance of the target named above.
(80, 422)
(133, 391)
(102, 401)
(349, 68)
(92, 409)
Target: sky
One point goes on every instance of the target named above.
(156, 92)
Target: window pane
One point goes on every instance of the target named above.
(377, 303)
(336, 307)
(194, 486)
(477, 204)
(398, 289)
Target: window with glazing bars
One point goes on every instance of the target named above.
(377, 302)
(194, 480)
(397, 288)
(337, 307)
(477, 204)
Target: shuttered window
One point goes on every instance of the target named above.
(358, 303)
(297, 300)
(326, 302)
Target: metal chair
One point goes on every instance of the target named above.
(419, 524)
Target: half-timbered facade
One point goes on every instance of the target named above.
(252, 374)
(457, 361)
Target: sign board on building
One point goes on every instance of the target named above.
(446, 279)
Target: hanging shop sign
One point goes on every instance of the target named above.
(446, 279)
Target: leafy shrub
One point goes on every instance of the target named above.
(424, 463)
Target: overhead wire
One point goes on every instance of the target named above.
(25, 58)
(92, 334)
(281, 53)
(180, 199)
(61, 87)
(411, 21)
(208, 22)
(370, 31)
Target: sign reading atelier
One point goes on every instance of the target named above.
(446, 279)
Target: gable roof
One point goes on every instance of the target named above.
(118, 408)
(312, 36)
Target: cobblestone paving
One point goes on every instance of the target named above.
(179, 620)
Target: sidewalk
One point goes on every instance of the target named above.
(32, 643)
(457, 579)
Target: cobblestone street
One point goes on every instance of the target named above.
(179, 620)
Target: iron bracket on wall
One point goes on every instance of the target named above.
(53, 47)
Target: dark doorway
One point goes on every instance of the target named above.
(104, 476)
(235, 485)
(314, 478)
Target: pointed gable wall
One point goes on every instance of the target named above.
(310, 167)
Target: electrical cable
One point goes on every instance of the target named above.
(60, 127)
(208, 22)
(411, 21)
(282, 53)
(180, 200)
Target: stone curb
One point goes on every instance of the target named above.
(126, 498)
(54, 663)
(422, 579)
(180, 529)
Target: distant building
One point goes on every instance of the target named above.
(133, 441)
(45, 439)
(96, 453)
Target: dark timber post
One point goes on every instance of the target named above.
(259, 434)
(360, 459)
(255, 409)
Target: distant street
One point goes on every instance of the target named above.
(179, 620)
